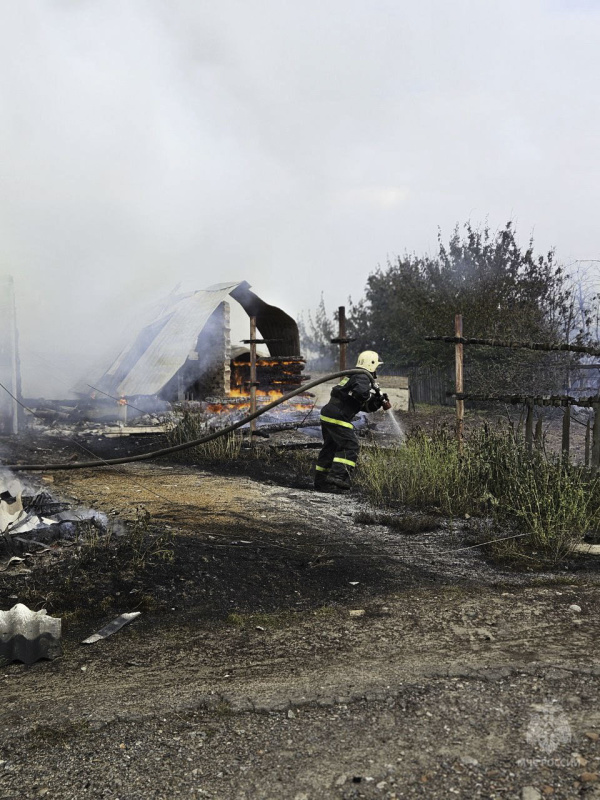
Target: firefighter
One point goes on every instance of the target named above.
(352, 394)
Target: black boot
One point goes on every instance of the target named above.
(321, 484)
(339, 482)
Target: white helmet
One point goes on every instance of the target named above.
(369, 359)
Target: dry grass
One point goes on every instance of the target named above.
(192, 426)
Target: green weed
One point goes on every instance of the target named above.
(144, 545)
(554, 503)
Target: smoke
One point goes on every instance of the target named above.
(291, 145)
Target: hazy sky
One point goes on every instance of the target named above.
(295, 145)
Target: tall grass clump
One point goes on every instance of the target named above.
(554, 503)
(192, 426)
(423, 473)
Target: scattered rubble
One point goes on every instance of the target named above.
(32, 519)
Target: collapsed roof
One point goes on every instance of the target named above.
(162, 347)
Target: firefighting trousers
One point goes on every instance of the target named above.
(339, 452)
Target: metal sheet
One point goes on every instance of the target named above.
(161, 348)
(168, 350)
(112, 627)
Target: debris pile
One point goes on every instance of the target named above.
(67, 420)
(32, 519)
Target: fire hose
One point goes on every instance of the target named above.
(203, 439)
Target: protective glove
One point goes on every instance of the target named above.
(374, 402)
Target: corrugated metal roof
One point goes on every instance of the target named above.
(161, 348)
(148, 369)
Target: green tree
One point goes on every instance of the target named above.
(501, 289)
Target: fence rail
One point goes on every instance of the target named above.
(549, 348)
(529, 402)
(557, 401)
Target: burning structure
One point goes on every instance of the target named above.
(185, 352)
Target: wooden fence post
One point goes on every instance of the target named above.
(529, 427)
(566, 433)
(459, 361)
(596, 438)
(588, 437)
(539, 431)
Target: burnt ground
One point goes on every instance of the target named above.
(247, 675)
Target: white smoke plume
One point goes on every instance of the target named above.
(293, 145)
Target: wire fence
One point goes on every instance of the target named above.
(531, 403)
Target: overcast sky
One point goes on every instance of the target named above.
(295, 145)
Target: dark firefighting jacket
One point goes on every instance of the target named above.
(352, 394)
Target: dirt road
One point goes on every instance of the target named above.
(247, 675)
